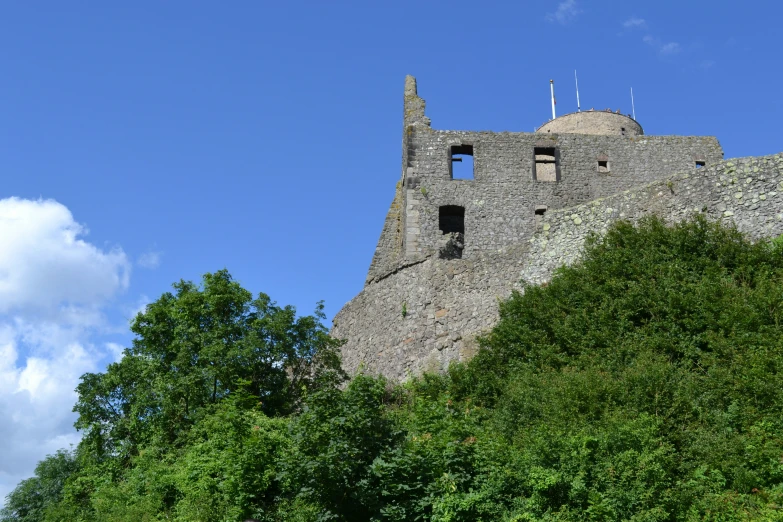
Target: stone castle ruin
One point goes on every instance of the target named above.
(451, 248)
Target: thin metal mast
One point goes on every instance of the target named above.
(633, 109)
(552, 89)
(578, 106)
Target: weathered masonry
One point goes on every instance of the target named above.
(450, 248)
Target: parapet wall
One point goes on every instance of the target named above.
(425, 314)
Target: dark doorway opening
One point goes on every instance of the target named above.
(451, 221)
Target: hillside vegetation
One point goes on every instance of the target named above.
(643, 384)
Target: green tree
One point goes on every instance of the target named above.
(335, 440)
(195, 347)
(32, 497)
(228, 471)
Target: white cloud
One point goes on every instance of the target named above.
(116, 350)
(667, 48)
(44, 263)
(149, 260)
(566, 12)
(54, 288)
(634, 22)
(36, 398)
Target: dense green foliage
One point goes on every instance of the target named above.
(34, 496)
(193, 349)
(644, 383)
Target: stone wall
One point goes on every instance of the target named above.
(388, 253)
(425, 315)
(501, 200)
(747, 192)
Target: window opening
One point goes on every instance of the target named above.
(603, 165)
(451, 221)
(461, 162)
(700, 164)
(545, 168)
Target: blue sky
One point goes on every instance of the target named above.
(146, 142)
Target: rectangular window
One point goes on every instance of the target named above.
(545, 167)
(700, 164)
(461, 162)
(603, 165)
(451, 219)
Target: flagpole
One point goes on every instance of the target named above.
(552, 89)
(578, 106)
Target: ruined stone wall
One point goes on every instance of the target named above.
(501, 200)
(447, 303)
(747, 192)
(388, 253)
(425, 315)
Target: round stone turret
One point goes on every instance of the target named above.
(605, 123)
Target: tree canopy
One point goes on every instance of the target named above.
(194, 348)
